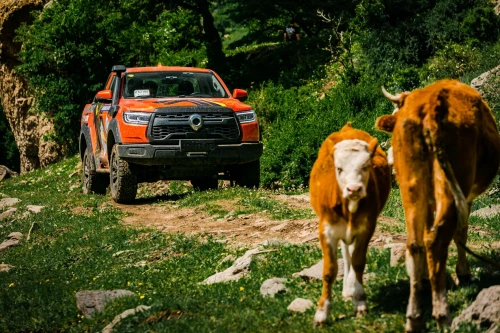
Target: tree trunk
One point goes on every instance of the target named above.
(29, 128)
(216, 57)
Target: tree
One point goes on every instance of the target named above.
(71, 46)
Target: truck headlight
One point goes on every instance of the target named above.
(246, 116)
(138, 118)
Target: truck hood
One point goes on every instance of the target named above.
(149, 105)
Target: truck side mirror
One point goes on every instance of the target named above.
(240, 94)
(104, 96)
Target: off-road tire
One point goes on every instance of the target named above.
(93, 182)
(123, 180)
(247, 175)
(204, 184)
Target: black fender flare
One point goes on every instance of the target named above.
(84, 137)
(113, 135)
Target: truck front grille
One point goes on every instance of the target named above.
(168, 126)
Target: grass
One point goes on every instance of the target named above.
(74, 239)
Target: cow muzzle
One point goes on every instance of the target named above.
(354, 191)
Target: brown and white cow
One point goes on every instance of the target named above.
(349, 185)
(446, 152)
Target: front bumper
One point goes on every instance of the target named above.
(191, 153)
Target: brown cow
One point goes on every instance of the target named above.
(349, 185)
(446, 152)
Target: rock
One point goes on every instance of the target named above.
(12, 239)
(487, 212)
(123, 315)
(484, 312)
(240, 268)
(31, 129)
(34, 209)
(7, 213)
(487, 83)
(398, 254)
(315, 272)
(91, 301)
(270, 287)
(6, 173)
(300, 305)
(8, 202)
(5, 267)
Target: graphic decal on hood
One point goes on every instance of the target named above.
(197, 102)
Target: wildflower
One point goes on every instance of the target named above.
(11, 285)
(241, 288)
(140, 284)
(142, 296)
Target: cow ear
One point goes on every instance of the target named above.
(386, 123)
(372, 146)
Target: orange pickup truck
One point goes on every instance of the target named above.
(166, 123)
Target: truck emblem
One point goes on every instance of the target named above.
(196, 122)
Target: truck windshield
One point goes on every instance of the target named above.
(172, 84)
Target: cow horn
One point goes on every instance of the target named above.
(392, 98)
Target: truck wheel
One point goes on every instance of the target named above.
(203, 184)
(247, 175)
(93, 182)
(123, 180)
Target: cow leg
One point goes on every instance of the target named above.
(330, 268)
(347, 292)
(462, 268)
(417, 216)
(437, 240)
(360, 247)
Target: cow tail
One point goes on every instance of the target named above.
(435, 139)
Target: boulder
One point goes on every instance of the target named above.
(30, 129)
(488, 82)
(487, 212)
(34, 209)
(9, 212)
(240, 268)
(300, 305)
(91, 301)
(270, 287)
(12, 240)
(6, 173)
(8, 202)
(484, 312)
(315, 272)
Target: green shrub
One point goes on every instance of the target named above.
(70, 48)
(453, 61)
(297, 121)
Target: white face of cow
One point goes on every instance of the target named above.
(352, 167)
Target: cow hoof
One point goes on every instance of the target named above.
(321, 317)
(360, 309)
(443, 321)
(465, 279)
(361, 313)
(414, 325)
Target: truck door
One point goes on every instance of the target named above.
(101, 121)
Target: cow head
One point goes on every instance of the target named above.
(386, 123)
(352, 167)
